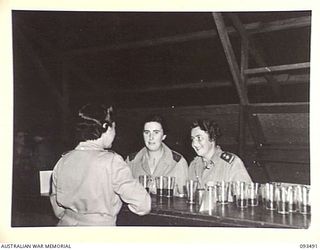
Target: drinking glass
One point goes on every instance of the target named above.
(283, 199)
(199, 195)
(162, 185)
(293, 198)
(223, 192)
(304, 200)
(242, 195)
(209, 199)
(262, 194)
(232, 191)
(271, 199)
(191, 186)
(144, 180)
(253, 194)
(170, 186)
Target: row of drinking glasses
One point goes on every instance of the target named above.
(217, 192)
(161, 185)
(286, 198)
(224, 192)
(282, 197)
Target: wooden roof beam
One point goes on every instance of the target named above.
(278, 108)
(254, 52)
(284, 79)
(271, 69)
(252, 28)
(237, 77)
(231, 58)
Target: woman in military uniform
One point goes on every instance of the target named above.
(156, 158)
(89, 183)
(212, 163)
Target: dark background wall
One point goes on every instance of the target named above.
(285, 158)
(44, 74)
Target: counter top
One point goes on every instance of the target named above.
(176, 212)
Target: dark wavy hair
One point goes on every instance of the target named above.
(93, 121)
(211, 127)
(158, 119)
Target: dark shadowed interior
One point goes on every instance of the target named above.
(182, 65)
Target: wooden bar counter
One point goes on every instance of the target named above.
(37, 211)
(176, 212)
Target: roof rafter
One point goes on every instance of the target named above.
(252, 28)
(254, 52)
(231, 58)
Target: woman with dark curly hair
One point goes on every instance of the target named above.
(212, 163)
(89, 183)
(156, 158)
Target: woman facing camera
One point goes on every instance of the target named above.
(156, 158)
(211, 162)
(89, 183)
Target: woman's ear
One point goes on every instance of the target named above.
(212, 141)
(164, 137)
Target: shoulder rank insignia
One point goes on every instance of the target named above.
(66, 152)
(228, 157)
(176, 156)
(132, 156)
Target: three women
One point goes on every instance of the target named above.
(90, 182)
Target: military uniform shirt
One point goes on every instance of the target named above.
(223, 166)
(87, 185)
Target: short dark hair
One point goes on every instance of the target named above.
(209, 126)
(93, 121)
(156, 118)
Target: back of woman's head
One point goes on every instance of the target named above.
(93, 121)
(209, 126)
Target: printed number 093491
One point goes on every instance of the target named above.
(308, 246)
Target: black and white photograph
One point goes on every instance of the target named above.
(162, 119)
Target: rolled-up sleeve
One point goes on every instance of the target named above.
(128, 188)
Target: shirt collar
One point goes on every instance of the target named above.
(89, 145)
(210, 163)
(165, 152)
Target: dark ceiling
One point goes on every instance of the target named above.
(131, 59)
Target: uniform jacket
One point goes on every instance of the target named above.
(223, 166)
(87, 184)
(171, 163)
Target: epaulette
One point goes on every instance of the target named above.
(228, 157)
(176, 156)
(132, 156)
(64, 153)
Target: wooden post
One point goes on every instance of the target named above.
(231, 58)
(242, 108)
(254, 52)
(237, 77)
